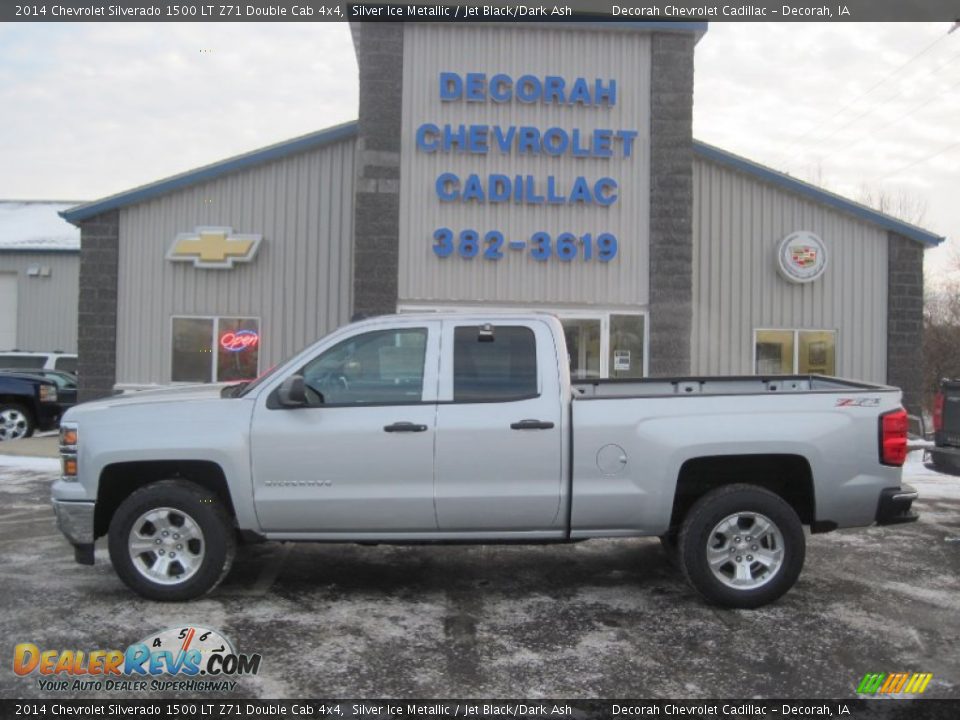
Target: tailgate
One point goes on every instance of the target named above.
(950, 434)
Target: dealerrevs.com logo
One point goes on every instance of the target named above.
(190, 658)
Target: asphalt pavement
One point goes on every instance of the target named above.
(603, 619)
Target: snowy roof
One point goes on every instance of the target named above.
(32, 225)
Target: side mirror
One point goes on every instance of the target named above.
(291, 392)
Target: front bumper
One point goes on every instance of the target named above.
(75, 520)
(894, 506)
(48, 416)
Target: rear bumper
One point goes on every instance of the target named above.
(894, 506)
(75, 520)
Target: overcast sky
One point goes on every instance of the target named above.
(87, 109)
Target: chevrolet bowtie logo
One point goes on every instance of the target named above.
(214, 247)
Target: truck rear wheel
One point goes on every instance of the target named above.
(741, 546)
(171, 540)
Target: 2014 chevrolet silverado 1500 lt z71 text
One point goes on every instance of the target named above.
(467, 428)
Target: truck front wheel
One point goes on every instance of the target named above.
(741, 546)
(171, 540)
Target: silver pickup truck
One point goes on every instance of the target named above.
(467, 428)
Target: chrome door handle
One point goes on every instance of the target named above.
(531, 425)
(404, 427)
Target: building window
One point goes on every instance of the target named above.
(583, 346)
(626, 346)
(609, 346)
(795, 352)
(215, 349)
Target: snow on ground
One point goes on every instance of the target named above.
(20, 462)
(929, 483)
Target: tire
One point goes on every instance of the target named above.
(943, 463)
(16, 422)
(721, 526)
(144, 558)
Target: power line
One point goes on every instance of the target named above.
(862, 95)
(874, 108)
(904, 116)
(948, 148)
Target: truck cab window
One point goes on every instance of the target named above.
(499, 369)
(384, 366)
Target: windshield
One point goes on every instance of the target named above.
(241, 389)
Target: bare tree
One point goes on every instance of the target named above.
(901, 203)
(941, 337)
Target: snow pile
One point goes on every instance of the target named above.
(36, 225)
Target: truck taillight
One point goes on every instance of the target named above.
(938, 412)
(893, 437)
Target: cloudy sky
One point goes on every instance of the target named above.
(92, 109)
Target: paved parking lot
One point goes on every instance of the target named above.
(599, 619)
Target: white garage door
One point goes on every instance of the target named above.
(8, 311)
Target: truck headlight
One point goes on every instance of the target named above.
(69, 436)
(48, 393)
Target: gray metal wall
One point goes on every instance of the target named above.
(738, 222)
(298, 285)
(517, 278)
(46, 306)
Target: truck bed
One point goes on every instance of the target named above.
(733, 385)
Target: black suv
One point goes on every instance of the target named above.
(27, 403)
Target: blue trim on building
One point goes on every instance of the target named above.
(722, 157)
(210, 172)
(39, 250)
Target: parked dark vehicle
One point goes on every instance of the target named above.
(945, 457)
(66, 383)
(28, 359)
(27, 403)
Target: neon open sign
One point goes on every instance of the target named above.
(239, 340)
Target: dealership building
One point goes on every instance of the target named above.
(39, 276)
(545, 167)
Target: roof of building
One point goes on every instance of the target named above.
(348, 130)
(36, 226)
(210, 172)
(762, 172)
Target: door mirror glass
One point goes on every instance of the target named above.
(292, 392)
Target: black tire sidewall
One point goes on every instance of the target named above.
(708, 512)
(944, 463)
(204, 508)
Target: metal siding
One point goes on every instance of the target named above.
(737, 224)
(298, 285)
(625, 57)
(46, 306)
